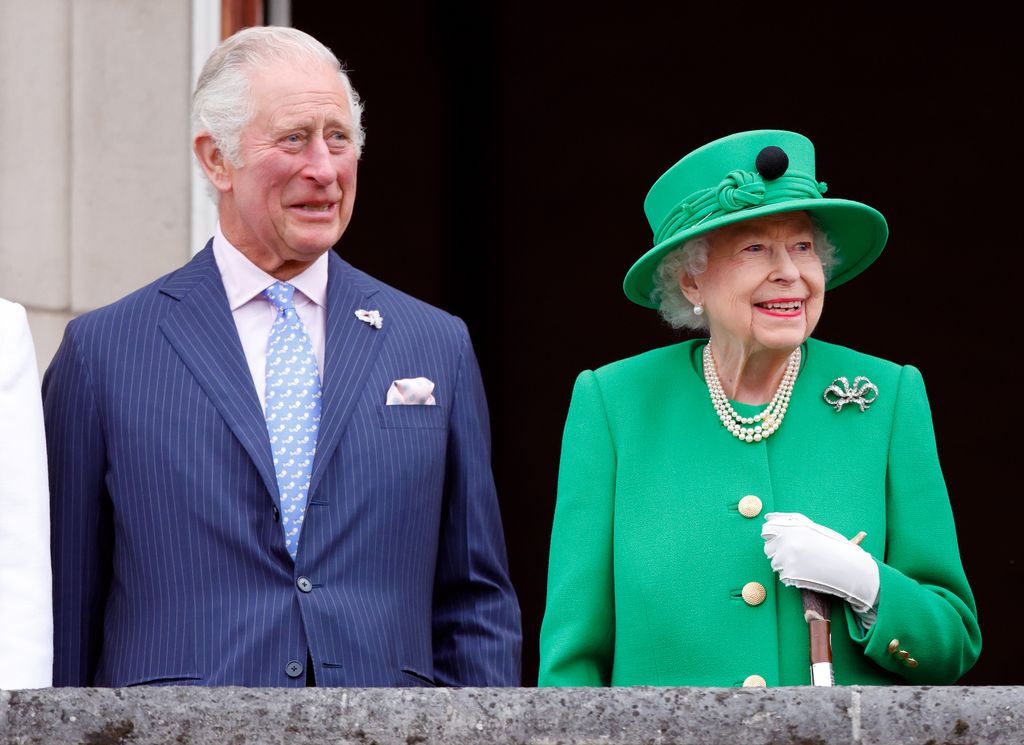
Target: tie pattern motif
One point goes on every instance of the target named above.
(292, 409)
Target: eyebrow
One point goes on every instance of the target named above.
(308, 123)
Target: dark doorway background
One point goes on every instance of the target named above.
(509, 149)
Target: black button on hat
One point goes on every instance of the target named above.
(771, 162)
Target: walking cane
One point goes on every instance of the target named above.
(818, 614)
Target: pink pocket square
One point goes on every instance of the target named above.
(415, 391)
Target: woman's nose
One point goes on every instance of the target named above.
(783, 269)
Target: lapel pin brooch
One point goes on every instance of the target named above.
(372, 317)
(863, 393)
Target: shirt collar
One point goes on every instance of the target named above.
(244, 281)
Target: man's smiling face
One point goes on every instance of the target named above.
(291, 197)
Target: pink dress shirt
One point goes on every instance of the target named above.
(254, 315)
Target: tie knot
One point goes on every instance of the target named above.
(280, 295)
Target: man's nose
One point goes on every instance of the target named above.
(319, 166)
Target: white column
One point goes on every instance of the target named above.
(130, 64)
(34, 147)
(205, 36)
(94, 146)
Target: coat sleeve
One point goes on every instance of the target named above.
(925, 606)
(476, 621)
(26, 631)
(80, 514)
(577, 640)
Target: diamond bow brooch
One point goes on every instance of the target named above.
(863, 393)
(372, 317)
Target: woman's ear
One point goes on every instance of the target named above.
(689, 288)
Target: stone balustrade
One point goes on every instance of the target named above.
(518, 716)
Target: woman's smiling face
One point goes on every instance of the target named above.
(764, 286)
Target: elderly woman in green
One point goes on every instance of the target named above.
(702, 485)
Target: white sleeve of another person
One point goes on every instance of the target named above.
(26, 607)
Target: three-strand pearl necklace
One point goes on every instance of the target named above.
(760, 426)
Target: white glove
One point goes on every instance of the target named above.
(813, 557)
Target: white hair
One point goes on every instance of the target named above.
(692, 258)
(223, 102)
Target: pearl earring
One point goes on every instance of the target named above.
(698, 310)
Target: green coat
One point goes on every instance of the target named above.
(649, 551)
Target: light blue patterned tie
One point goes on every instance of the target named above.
(292, 409)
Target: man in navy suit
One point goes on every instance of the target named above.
(268, 468)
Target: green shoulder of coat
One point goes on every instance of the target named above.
(836, 361)
(653, 366)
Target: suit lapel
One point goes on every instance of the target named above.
(202, 331)
(351, 349)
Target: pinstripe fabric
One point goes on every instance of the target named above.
(169, 566)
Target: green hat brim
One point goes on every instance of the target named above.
(857, 231)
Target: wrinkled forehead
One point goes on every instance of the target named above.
(298, 91)
(295, 78)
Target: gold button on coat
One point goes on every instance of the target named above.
(893, 647)
(755, 681)
(903, 654)
(910, 662)
(750, 506)
(754, 593)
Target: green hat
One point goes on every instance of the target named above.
(748, 175)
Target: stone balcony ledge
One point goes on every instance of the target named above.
(513, 716)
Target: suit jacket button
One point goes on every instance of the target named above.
(754, 593)
(750, 506)
(894, 646)
(304, 584)
(276, 513)
(755, 681)
(293, 669)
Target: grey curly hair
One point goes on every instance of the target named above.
(692, 258)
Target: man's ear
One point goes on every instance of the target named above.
(212, 160)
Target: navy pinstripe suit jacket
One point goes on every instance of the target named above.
(169, 564)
